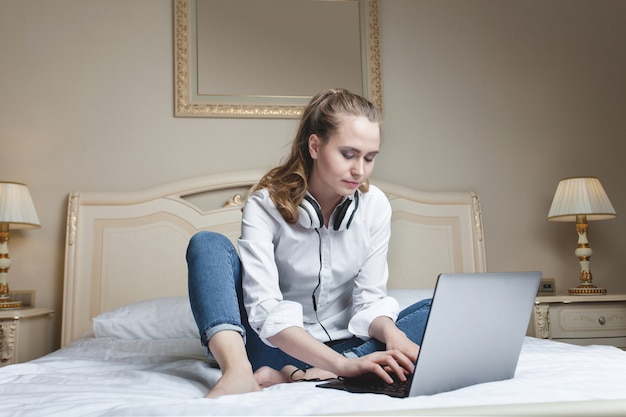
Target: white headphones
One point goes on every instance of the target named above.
(310, 214)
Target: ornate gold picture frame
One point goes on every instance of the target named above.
(233, 58)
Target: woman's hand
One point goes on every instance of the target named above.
(382, 363)
(399, 341)
(385, 330)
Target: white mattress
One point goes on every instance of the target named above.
(109, 376)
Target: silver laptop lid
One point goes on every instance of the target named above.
(475, 330)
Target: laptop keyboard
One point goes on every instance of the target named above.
(373, 384)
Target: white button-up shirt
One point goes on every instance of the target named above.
(284, 263)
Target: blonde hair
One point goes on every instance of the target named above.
(287, 183)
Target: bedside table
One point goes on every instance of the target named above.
(25, 334)
(581, 320)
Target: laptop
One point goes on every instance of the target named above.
(474, 334)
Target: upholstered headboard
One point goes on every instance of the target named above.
(125, 247)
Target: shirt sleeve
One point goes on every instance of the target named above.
(370, 290)
(268, 313)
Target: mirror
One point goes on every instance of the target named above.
(267, 58)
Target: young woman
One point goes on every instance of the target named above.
(305, 296)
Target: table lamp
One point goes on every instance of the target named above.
(581, 199)
(17, 211)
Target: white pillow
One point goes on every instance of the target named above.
(406, 297)
(155, 319)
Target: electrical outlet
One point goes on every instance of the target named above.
(546, 287)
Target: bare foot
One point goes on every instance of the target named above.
(234, 382)
(237, 377)
(266, 376)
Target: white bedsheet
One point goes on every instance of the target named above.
(106, 376)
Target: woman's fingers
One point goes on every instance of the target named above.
(391, 362)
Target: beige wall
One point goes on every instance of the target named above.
(503, 97)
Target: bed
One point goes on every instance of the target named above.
(130, 347)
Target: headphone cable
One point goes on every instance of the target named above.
(319, 283)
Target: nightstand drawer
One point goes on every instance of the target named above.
(588, 320)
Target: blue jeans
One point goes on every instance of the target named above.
(216, 298)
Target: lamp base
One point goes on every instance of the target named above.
(8, 304)
(587, 289)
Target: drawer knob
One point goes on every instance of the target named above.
(602, 320)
